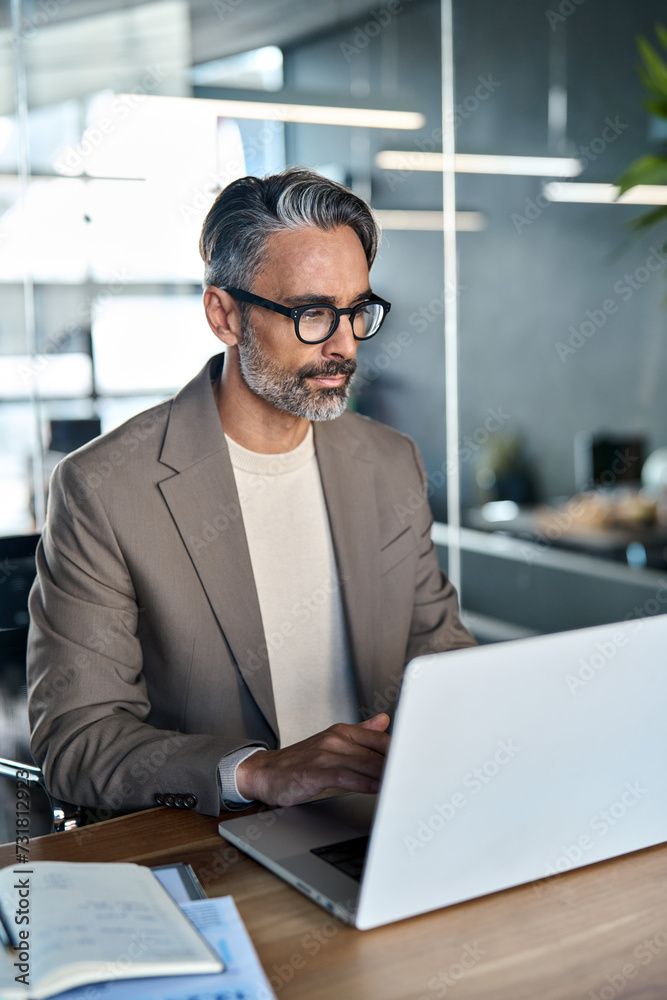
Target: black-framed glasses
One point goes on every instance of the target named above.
(315, 322)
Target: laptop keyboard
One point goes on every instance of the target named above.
(347, 856)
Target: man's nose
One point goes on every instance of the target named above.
(341, 343)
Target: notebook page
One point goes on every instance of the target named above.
(112, 918)
(243, 978)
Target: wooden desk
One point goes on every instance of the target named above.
(599, 933)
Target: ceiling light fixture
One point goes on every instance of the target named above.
(301, 114)
(426, 220)
(642, 194)
(480, 163)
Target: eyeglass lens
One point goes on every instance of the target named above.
(316, 323)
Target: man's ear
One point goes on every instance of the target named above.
(223, 315)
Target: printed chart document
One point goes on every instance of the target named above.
(74, 923)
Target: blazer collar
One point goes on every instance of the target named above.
(194, 430)
(204, 503)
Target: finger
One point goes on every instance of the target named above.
(366, 762)
(369, 738)
(351, 781)
(379, 721)
(318, 782)
(355, 747)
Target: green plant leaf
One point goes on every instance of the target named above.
(650, 218)
(653, 91)
(657, 107)
(655, 67)
(645, 170)
(650, 169)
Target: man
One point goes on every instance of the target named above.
(230, 584)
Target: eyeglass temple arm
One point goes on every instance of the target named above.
(258, 300)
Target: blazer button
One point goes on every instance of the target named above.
(169, 799)
(159, 799)
(180, 804)
(190, 801)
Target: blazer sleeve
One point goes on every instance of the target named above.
(87, 696)
(436, 624)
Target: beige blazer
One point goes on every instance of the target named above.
(146, 653)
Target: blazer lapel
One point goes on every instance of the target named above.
(348, 483)
(204, 503)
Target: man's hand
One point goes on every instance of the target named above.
(345, 757)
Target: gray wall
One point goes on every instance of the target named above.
(404, 384)
(528, 284)
(522, 286)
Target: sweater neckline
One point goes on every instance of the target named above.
(271, 464)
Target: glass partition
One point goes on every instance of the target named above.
(561, 316)
(113, 192)
(134, 118)
(524, 351)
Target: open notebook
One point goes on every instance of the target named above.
(74, 923)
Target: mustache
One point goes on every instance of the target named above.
(332, 371)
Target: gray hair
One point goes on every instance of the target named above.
(246, 212)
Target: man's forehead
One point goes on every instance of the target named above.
(313, 237)
(307, 265)
(320, 294)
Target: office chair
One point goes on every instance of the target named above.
(17, 561)
(17, 571)
(63, 815)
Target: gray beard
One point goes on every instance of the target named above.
(290, 391)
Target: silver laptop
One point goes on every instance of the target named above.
(507, 763)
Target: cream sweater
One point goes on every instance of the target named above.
(294, 566)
